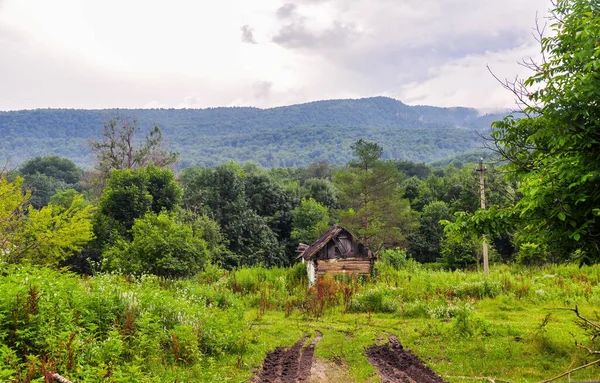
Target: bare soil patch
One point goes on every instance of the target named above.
(395, 364)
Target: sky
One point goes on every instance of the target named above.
(265, 53)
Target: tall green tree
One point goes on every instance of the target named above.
(375, 208)
(323, 191)
(311, 220)
(59, 168)
(221, 194)
(554, 151)
(130, 194)
(425, 242)
(45, 176)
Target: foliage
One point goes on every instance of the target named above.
(12, 213)
(288, 136)
(206, 328)
(56, 167)
(42, 188)
(554, 152)
(369, 190)
(45, 176)
(460, 252)
(323, 191)
(395, 258)
(45, 236)
(130, 194)
(412, 169)
(425, 241)
(311, 220)
(161, 246)
(236, 202)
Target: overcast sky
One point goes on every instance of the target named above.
(199, 53)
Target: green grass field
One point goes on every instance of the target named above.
(219, 325)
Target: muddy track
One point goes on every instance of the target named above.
(290, 365)
(396, 364)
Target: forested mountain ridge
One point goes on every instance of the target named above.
(283, 136)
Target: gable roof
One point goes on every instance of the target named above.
(311, 250)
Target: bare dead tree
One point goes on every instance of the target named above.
(120, 148)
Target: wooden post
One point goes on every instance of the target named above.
(481, 170)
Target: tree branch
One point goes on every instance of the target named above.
(571, 371)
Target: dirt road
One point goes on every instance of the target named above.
(394, 363)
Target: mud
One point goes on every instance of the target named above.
(290, 365)
(396, 364)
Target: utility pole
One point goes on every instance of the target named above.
(481, 170)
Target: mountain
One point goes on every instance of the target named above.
(284, 136)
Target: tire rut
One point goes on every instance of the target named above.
(291, 365)
(395, 364)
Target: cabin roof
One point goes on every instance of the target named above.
(335, 230)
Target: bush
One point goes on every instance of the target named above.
(160, 246)
(376, 300)
(395, 258)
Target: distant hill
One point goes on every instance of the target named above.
(285, 136)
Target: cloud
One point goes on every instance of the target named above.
(262, 89)
(64, 54)
(466, 80)
(386, 47)
(297, 36)
(286, 10)
(248, 34)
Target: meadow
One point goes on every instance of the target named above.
(219, 325)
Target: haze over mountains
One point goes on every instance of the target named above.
(285, 136)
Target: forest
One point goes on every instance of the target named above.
(279, 137)
(141, 269)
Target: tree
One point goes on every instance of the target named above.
(426, 240)
(45, 176)
(42, 188)
(322, 191)
(369, 189)
(161, 246)
(55, 232)
(130, 194)
(554, 150)
(413, 169)
(56, 167)
(311, 220)
(117, 149)
(43, 236)
(221, 194)
(460, 252)
(12, 213)
(271, 201)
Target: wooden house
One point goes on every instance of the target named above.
(338, 251)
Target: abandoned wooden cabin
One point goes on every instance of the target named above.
(338, 251)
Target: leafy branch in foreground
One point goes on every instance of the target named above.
(554, 151)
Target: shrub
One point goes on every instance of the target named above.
(375, 300)
(160, 246)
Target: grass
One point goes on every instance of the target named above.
(219, 325)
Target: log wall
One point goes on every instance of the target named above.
(347, 266)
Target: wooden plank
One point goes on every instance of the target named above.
(330, 250)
